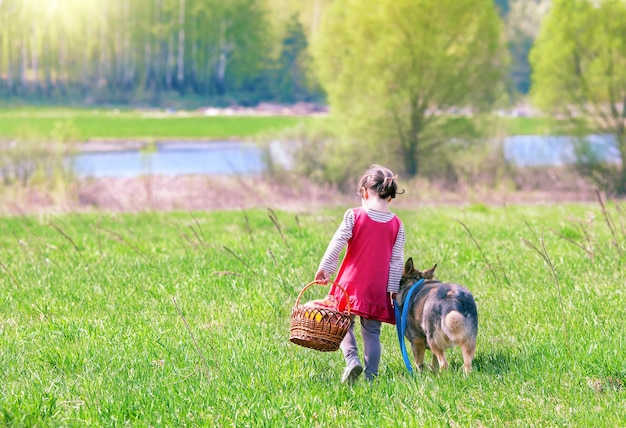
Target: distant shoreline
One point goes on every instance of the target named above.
(121, 145)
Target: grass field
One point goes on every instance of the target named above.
(89, 124)
(182, 319)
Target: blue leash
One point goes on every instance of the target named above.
(401, 317)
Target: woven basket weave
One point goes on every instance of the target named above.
(317, 327)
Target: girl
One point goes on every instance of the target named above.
(371, 268)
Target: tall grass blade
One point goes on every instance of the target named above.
(609, 223)
(544, 255)
(243, 262)
(66, 236)
(193, 338)
(274, 218)
(482, 253)
(121, 239)
(6, 269)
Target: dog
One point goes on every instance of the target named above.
(441, 315)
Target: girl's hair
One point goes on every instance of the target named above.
(381, 180)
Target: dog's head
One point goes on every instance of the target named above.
(410, 275)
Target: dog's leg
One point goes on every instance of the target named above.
(434, 363)
(439, 358)
(468, 348)
(418, 346)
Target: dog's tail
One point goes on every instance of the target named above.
(460, 328)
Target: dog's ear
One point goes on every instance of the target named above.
(408, 266)
(429, 273)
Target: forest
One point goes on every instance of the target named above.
(159, 52)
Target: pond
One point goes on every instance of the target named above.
(227, 157)
(544, 150)
(172, 158)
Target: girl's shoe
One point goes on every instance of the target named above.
(351, 373)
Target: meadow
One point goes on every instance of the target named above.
(182, 319)
(83, 124)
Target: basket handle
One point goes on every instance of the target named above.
(345, 293)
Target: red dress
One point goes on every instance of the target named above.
(364, 272)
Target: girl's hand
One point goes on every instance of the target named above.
(392, 298)
(322, 276)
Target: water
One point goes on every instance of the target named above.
(173, 158)
(533, 150)
(182, 158)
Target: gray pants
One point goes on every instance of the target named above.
(370, 331)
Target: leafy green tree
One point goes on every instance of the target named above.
(391, 67)
(523, 21)
(241, 44)
(286, 76)
(579, 68)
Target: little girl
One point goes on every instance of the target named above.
(371, 269)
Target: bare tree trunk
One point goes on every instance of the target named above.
(10, 87)
(117, 74)
(147, 63)
(169, 63)
(411, 162)
(10, 44)
(222, 61)
(103, 75)
(147, 53)
(34, 59)
(194, 66)
(63, 73)
(46, 64)
(3, 52)
(207, 76)
(23, 64)
(85, 63)
(157, 56)
(180, 76)
(411, 140)
(221, 72)
(128, 71)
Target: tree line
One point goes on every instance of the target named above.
(243, 51)
(125, 50)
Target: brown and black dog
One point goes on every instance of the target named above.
(441, 315)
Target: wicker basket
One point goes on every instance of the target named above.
(317, 327)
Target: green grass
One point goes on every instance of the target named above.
(88, 124)
(90, 334)
(83, 124)
(537, 126)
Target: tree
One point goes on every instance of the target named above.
(522, 25)
(287, 75)
(242, 45)
(579, 68)
(391, 67)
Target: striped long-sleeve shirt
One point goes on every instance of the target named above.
(344, 233)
